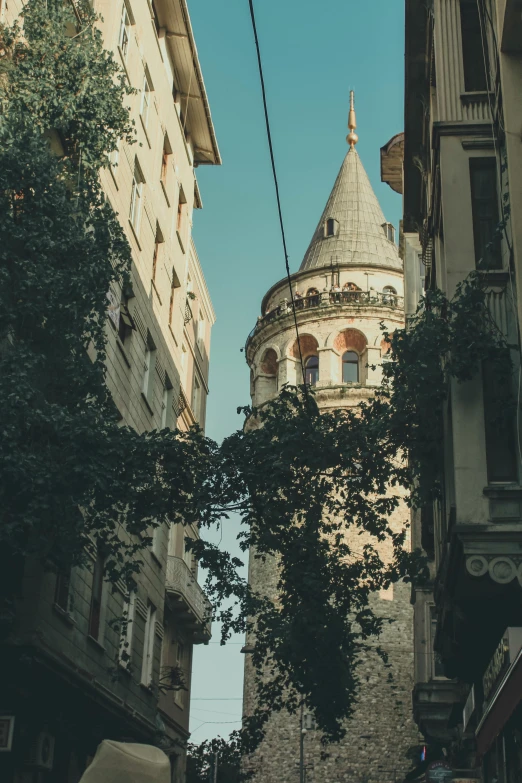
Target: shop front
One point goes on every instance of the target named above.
(499, 730)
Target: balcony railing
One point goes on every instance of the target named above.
(331, 299)
(188, 600)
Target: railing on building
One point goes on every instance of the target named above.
(330, 299)
(188, 600)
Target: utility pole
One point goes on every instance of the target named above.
(302, 734)
(215, 766)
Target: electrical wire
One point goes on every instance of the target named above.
(276, 183)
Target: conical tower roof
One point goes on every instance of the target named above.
(358, 234)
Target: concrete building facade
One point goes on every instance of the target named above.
(63, 685)
(462, 185)
(349, 282)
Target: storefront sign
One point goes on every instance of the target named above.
(439, 772)
(6, 732)
(504, 655)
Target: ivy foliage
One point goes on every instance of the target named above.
(70, 473)
(446, 340)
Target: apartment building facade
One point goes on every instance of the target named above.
(462, 187)
(64, 684)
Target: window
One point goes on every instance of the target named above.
(147, 667)
(145, 99)
(158, 241)
(96, 597)
(114, 156)
(312, 370)
(331, 227)
(499, 427)
(124, 35)
(179, 695)
(166, 404)
(182, 201)
(127, 630)
(165, 165)
(155, 18)
(125, 323)
(148, 369)
(188, 554)
(196, 399)
(437, 667)
(173, 286)
(474, 47)
(62, 590)
(201, 332)
(155, 546)
(136, 197)
(389, 295)
(389, 231)
(350, 367)
(484, 205)
(313, 297)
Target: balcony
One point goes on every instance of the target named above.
(187, 600)
(330, 300)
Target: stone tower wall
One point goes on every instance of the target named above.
(382, 728)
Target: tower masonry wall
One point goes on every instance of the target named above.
(381, 729)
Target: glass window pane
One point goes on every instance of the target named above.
(350, 367)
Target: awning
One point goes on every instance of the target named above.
(506, 700)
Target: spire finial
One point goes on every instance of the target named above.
(352, 137)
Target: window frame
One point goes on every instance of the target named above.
(468, 48)
(127, 632)
(356, 363)
(149, 644)
(477, 164)
(333, 224)
(182, 202)
(95, 622)
(166, 403)
(145, 102)
(136, 202)
(309, 369)
(62, 591)
(149, 367)
(196, 397)
(124, 32)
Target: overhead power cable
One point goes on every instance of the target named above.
(276, 183)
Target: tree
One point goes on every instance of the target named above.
(216, 760)
(71, 476)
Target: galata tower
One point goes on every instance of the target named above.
(349, 282)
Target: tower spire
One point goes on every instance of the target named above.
(352, 137)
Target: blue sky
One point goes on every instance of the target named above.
(313, 54)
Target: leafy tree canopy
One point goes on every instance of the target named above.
(216, 760)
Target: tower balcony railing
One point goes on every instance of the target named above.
(329, 299)
(187, 599)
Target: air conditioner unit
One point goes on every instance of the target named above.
(42, 751)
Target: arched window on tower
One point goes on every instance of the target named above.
(350, 367)
(312, 370)
(312, 297)
(390, 295)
